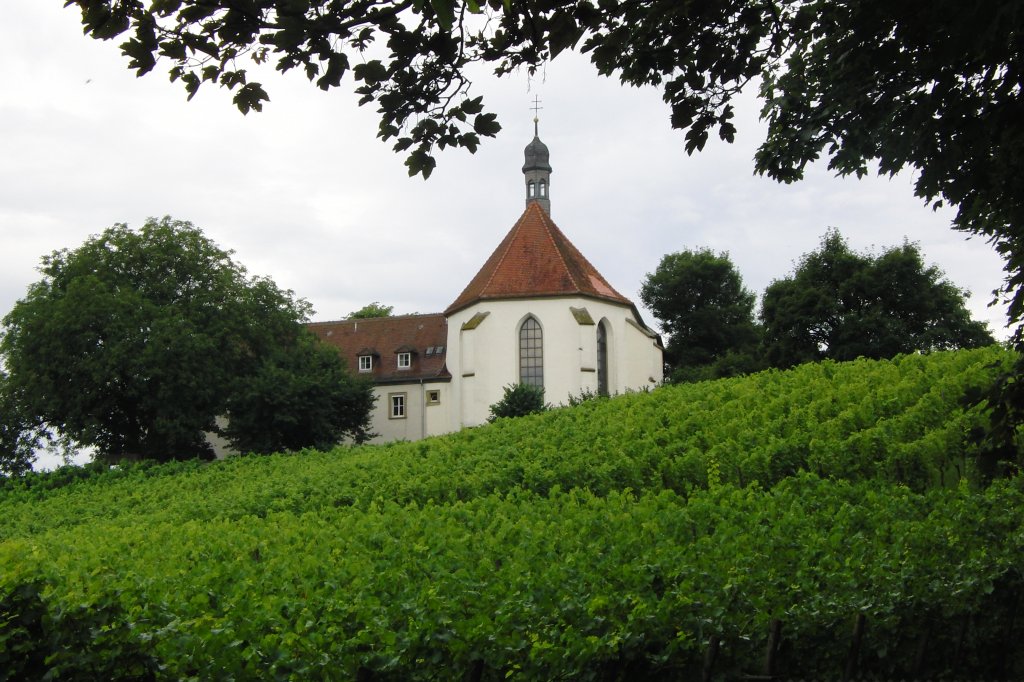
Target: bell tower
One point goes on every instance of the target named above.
(537, 169)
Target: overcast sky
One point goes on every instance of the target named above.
(305, 194)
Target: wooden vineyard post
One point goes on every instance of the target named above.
(1008, 634)
(922, 650)
(709, 658)
(958, 656)
(851, 659)
(774, 635)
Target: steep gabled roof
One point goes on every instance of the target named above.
(534, 260)
(424, 336)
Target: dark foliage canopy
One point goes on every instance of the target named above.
(135, 342)
(841, 305)
(705, 310)
(932, 85)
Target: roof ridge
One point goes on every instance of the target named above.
(546, 220)
(591, 266)
(510, 237)
(371, 319)
(590, 270)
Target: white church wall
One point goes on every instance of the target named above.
(644, 368)
(485, 359)
(588, 348)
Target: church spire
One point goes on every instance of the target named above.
(537, 169)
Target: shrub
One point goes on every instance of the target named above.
(519, 400)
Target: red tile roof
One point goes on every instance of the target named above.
(425, 336)
(535, 259)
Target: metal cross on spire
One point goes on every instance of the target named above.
(536, 108)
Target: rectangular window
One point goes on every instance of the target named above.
(404, 360)
(397, 401)
(433, 397)
(365, 363)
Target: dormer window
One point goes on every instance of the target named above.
(404, 360)
(365, 363)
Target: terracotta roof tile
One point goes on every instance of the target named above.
(425, 336)
(535, 259)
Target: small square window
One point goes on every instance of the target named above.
(433, 397)
(365, 363)
(397, 401)
(404, 360)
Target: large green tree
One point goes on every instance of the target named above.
(136, 341)
(707, 313)
(18, 441)
(840, 304)
(301, 396)
(371, 310)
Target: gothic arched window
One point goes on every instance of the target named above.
(531, 353)
(602, 359)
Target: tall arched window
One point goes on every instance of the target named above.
(543, 190)
(602, 359)
(531, 353)
(531, 189)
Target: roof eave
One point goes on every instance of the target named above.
(526, 297)
(430, 379)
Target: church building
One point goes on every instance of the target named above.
(537, 312)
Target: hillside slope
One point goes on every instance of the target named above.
(621, 540)
(901, 420)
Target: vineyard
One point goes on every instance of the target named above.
(824, 522)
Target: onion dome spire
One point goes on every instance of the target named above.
(537, 167)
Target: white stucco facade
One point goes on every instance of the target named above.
(483, 351)
(423, 410)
